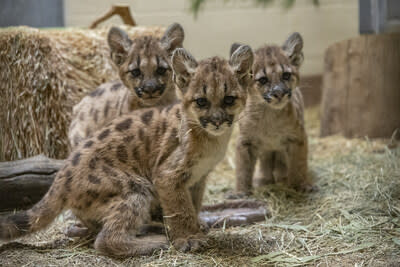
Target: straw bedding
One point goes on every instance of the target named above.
(43, 74)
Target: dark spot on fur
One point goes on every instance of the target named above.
(157, 130)
(108, 197)
(93, 179)
(97, 92)
(147, 145)
(135, 169)
(174, 134)
(76, 158)
(88, 203)
(164, 127)
(115, 87)
(122, 154)
(128, 139)
(88, 144)
(147, 116)
(103, 134)
(141, 134)
(137, 187)
(108, 161)
(107, 108)
(68, 180)
(96, 115)
(135, 153)
(92, 163)
(178, 114)
(93, 194)
(124, 125)
(118, 184)
(107, 170)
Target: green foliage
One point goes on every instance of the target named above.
(197, 5)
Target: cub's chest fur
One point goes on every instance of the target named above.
(213, 153)
(272, 129)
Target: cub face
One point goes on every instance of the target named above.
(212, 91)
(144, 63)
(276, 71)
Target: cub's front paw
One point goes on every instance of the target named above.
(191, 243)
(204, 227)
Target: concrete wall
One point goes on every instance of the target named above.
(222, 22)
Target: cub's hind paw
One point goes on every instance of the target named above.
(77, 230)
(190, 244)
(307, 188)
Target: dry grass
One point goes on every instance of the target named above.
(353, 220)
(43, 73)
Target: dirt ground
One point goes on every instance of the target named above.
(352, 220)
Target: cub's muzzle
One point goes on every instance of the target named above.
(277, 92)
(150, 89)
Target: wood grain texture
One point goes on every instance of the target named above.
(24, 182)
(361, 87)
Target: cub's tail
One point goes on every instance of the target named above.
(34, 219)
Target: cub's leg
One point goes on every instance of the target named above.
(179, 213)
(245, 162)
(197, 192)
(281, 165)
(119, 234)
(298, 176)
(263, 175)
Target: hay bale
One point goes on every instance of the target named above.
(43, 74)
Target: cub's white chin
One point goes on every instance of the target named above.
(217, 132)
(276, 104)
(149, 102)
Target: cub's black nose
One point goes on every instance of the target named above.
(151, 87)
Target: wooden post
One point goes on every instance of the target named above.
(361, 87)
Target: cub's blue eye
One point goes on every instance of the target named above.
(229, 100)
(263, 80)
(161, 70)
(136, 72)
(286, 76)
(201, 102)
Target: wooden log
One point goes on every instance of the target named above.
(361, 87)
(24, 182)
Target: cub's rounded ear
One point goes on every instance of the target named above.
(293, 48)
(234, 47)
(119, 44)
(173, 37)
(241, 61)
(183, 65)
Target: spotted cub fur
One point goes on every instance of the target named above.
(272, 128)
(145, 81)
(150, 156)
